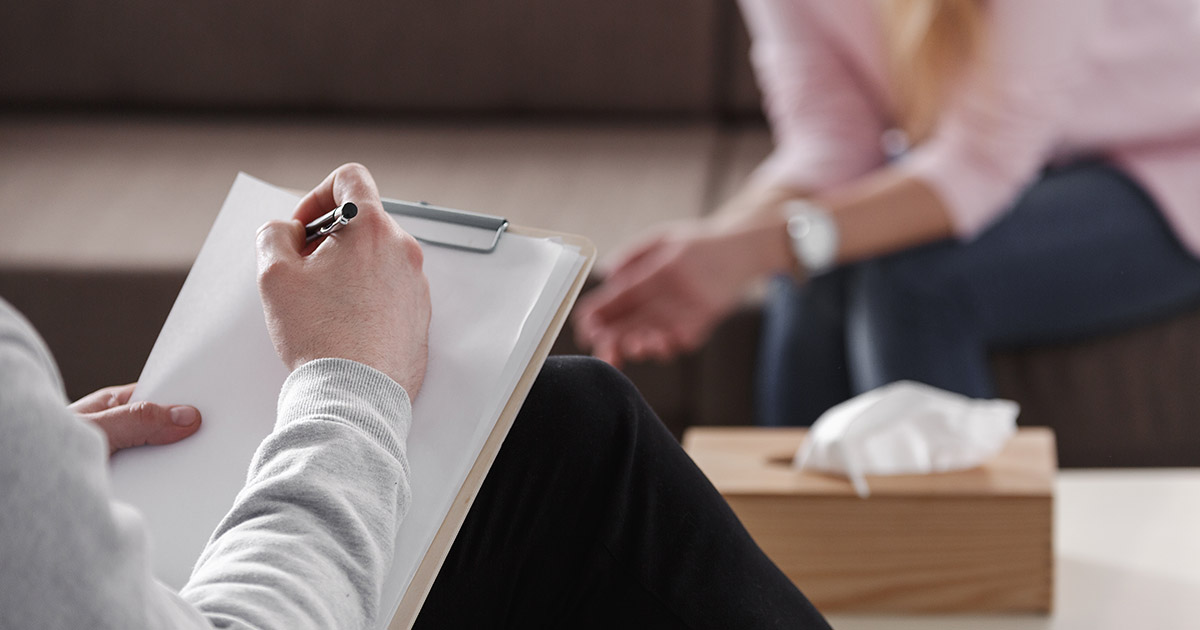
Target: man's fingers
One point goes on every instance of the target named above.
(121, 394)
(279, 241)
(317, 202)
(144, 423)
(102, 399)
(349, 182)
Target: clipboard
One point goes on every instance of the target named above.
(215, 352)
(410, 605)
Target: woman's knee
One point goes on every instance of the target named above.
(912, 280)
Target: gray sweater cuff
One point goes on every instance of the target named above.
(341, 390)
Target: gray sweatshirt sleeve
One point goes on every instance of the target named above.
(309, 539)
(306, 544)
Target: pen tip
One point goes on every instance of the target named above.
(349, 210)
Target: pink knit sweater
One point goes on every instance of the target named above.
(1067, 78)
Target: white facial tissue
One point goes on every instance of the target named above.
(906, 428)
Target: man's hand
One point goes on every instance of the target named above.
(135, 424)
(359, 294)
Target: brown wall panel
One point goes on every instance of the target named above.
(636, 56)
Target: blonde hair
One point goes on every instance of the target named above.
(929, 43)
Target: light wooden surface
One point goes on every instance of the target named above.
(757, 461)
(1127, 556)
(977, 540)
(943, 554)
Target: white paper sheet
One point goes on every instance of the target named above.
(489, 314)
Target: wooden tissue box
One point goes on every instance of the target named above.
(972, 541)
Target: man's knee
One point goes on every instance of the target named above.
(578, 382)
(578, 401)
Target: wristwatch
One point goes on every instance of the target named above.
(813, 236)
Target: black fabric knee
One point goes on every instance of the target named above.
(592, 516)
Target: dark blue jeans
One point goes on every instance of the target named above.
(1083, 251)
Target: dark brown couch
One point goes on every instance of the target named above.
(124, 124)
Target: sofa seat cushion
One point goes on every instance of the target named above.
(138, 193)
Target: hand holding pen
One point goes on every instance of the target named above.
(360, 295)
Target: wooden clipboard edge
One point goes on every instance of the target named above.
(422, 582)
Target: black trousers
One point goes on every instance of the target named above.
(593, 517)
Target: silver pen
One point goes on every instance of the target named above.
(330, 222)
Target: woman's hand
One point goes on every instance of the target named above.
(359, 294)
(667, 294)
(135, 424)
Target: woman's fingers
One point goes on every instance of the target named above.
(628, 258)
(625, 295)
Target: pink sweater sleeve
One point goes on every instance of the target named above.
(825, 122)
(1001, 124)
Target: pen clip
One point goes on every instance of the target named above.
(326, 230)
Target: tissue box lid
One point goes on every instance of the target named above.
(757, 461)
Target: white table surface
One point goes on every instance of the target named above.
(1127, 555)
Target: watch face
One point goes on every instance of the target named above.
(799, 227)
(814, 237)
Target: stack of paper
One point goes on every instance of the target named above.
(490, 313)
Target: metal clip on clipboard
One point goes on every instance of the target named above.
(429, 216)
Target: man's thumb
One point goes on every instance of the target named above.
(142, 423)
